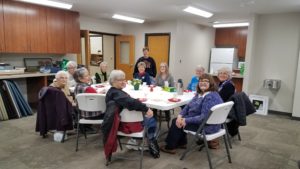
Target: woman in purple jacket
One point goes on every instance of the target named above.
(193, 115)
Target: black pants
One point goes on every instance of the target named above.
(176, 136)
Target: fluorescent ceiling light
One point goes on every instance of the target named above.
(226, 25)
(197, 11)
(127, 18)
(50, 3)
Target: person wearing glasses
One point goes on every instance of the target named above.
(142, 75)
(193, 115)
(226, 87)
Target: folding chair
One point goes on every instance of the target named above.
(89, 102)
(217, 115)
(133, 116)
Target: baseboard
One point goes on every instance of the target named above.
(284, 114)
(280, 113)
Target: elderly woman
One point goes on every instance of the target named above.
(118, 82)
(71, 67)
(193, 115)
(83, 79)
(103, 75)
(226, 87)
(195, 79)
(164, 75)
(61, 82)
(142, 75)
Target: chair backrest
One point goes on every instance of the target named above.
(91, 102)
(219, 113)
(131, 116)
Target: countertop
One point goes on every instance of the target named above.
(26, 75)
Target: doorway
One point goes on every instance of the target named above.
(125, 54)
(159, 47)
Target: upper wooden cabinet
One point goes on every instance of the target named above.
(15, 30)
(37, 28)
(56, 30)
(29, 28)
(232, 37)
(2, 45)
(72, 32)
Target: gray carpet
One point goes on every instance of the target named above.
(268, 142)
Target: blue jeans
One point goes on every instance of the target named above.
(150, 124)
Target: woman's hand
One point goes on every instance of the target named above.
(149, 113)
(180, 122)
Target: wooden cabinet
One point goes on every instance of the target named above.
(232, 37)
(37, 28)
(2, 45)
(72, 32)
(15, 30)
(56, 30)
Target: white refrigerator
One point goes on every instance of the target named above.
(223, 57)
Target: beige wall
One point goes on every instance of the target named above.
(275, 55)
(99, 25)
(190, 44)
(296, 105)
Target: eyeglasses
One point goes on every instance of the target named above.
(121, 80)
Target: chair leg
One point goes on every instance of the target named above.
(227, 135)
(64, 135)
(119, 140)
(207, 152)
(239, 135)
(227, 149)
(77, 137)
(142, 151)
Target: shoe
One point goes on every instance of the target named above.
(214, 144)
(171, 151)
(132, 142)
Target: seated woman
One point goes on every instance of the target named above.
(163, 76)
(199, 71)
(226, 87)
(142, 75)
(61, 82)
(71, 67)
(118, 82)
(193, 115)
(103, 75)
(83, 79)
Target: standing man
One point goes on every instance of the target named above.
(149, 61)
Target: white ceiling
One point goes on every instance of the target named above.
(162, 10)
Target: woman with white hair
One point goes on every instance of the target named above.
(124, 101)
(199, 71)
(61, 82)
(103, 75)
(226, 87)
(142, 74)
(71, 67)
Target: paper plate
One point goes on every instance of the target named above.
(174, 100)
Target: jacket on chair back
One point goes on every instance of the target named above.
(54, 111)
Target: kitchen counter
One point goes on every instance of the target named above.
(26, 75)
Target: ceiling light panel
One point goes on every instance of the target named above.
(55, 4)
(226, 25)
(199, 12)
(127, 18)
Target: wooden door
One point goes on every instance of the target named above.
(15, 27)
(125, 54)
(72, 32)
(56, 30)
(159, 47)
(37, 28)
(2, 45)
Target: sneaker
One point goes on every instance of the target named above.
(132, 142)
